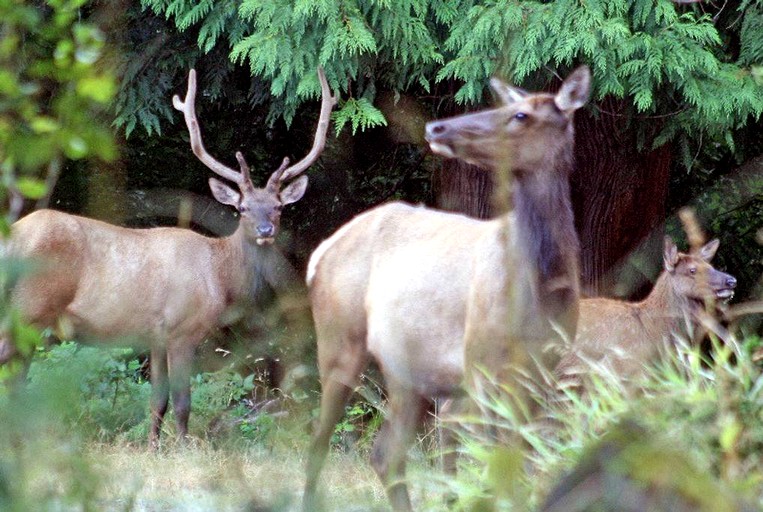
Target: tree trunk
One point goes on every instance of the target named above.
(461, 187)
(619, 196)
(456, 185)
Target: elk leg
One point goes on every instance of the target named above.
(7, 350)
(180, 362)
(449, 410)
(334, 396)
(160, 393)
(406, 409)
(448, 440)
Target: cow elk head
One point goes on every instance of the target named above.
(693, 275)
(518, 134)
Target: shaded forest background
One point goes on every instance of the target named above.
(675, 119)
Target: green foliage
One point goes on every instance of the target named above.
(43, 463)
(225, 400)
(360, 419)
(214, 392)
(360, 113)
(258, 429)
(363, 46)
(671, 62)
(751, 42)
(105, 390)
(666, 60)
(145, 91)
(53, 93)
(688, 430)
(107, 396)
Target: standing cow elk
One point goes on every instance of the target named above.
(624, 336)
(165, 288)
(405, 284)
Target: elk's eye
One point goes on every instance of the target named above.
(520, 116)
(242, 209)
(692, 271)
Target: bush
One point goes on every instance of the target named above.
(107, 395)
(106, 390)
(688, 431)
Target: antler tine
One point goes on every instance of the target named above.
(274, 182)
(327, 103)
(188, 109)
(246, 179)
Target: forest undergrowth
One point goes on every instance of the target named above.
(687, 435)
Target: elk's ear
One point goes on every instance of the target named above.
(224, 193)
(670, 255)
(506, 93)
(574, 91)
(294, 191)
(707, 251)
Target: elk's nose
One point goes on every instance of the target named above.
(731, 282)
(435, 128)
(265, 229)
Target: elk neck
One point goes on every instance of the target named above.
(665, 307)
(545, 228)
(241, 261)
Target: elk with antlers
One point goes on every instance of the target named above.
(416, 289)
(164, 288)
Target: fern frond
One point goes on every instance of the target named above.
(360, 113)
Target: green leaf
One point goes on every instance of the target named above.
(757, 74)
(730, 432)
(8, 83)
(76, 148)
(31, 188)
(98, 88)
(505, 471)
(44, 124)
(360, 113)
(25, 337)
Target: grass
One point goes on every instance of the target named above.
(49, 470)
(202, 478)
(690, 432)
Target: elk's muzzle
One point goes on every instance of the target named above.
(727, 292)
(436, 135)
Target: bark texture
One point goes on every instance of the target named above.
(619, 195)
(465, 188)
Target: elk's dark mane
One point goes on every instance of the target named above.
(545, 220)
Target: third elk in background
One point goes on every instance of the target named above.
(622, 337)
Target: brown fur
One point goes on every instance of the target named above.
(624, 336)
(164, 288)
(405, 284)
(161, 288)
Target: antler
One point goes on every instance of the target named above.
(188, 109)
(274, 183)
(327, 103)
